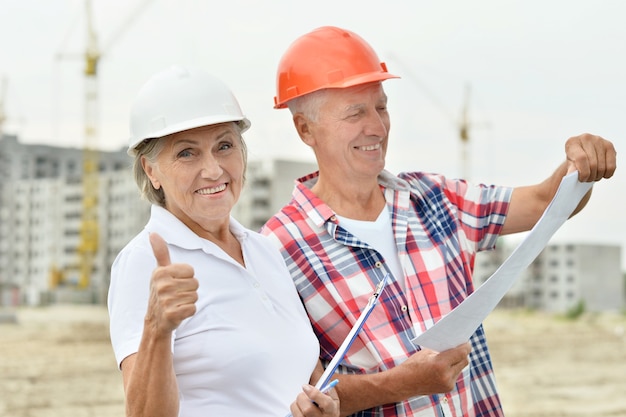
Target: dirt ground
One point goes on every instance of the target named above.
(57, 361)
(548, 366)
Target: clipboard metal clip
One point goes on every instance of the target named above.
(379, 289)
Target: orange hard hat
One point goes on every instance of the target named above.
(327, 57)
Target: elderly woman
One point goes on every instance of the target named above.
(204, 317)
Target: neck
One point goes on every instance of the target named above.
(224, 238)
(358, 201)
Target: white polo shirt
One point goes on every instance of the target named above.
(249, 347)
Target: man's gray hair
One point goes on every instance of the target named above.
(309, 104)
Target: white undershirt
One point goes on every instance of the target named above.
(379, 235)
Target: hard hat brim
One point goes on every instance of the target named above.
(345, 83)
(243, 122)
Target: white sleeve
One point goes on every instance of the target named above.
(128, 296)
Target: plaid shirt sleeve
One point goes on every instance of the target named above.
(439, 225)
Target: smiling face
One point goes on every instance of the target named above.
(350, 133)
(201, 173)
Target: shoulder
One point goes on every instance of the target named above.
(432, 188)
(137, 254)
(279, 222)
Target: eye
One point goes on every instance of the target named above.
(355, 114)
(185, 153)
(223, 146)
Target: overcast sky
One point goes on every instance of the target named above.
(538, 71)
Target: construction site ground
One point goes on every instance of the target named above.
(57, 361)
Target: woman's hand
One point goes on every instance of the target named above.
(311, 402)
(173, 290)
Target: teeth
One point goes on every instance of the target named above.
(369, 148)
(213, 190)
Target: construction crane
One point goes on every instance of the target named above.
(89, 230)
(462, 123)
(464, 127)
(89, 234)
(3, 95)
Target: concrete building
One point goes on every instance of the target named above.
(269, 184)
(486, 263)
(563, 277)
(40, 216)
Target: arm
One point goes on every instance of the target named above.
(149, 380)
(592, 156)
(423, 373)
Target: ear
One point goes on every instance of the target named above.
(303, 127)
(149, 170)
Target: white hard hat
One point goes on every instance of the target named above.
(178, 99)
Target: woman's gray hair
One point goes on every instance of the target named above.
(150, 149)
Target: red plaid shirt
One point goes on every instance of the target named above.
(439, 225)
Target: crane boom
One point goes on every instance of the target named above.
(89, 233)
(3, 93)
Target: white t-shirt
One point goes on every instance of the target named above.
(379, 235)
(249, 347)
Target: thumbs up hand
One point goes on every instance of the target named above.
(173, 290)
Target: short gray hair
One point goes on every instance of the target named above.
(150, 149)
(309, 104)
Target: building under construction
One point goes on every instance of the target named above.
(41, 217)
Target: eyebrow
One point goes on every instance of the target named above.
(352, 107)
(185, 141)
(360, 106)
(226, 132)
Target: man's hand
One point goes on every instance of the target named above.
(173, 290)
(592, 156)
(428, 372)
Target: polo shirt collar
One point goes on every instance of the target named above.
(176, 233)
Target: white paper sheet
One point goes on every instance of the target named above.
(458, 326)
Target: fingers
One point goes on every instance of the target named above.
(162, 255)
(593, 156)
(460, 357)
(429, 372)
(311, 402)
(451, 363)
(458, 354)
(160, 250)
(610, 160)
(173, 289)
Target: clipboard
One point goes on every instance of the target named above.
(322, 383)
(341, 352)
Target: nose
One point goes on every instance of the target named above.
(377, 124)
(211, 168)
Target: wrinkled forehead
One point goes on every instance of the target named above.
(359, 95)
(213, 129)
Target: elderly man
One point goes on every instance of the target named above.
(353, 222)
